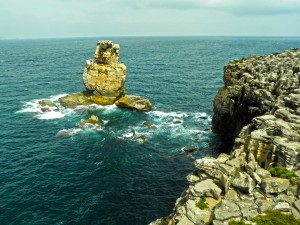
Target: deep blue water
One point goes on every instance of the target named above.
(52, 171)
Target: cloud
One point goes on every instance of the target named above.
(261, 7)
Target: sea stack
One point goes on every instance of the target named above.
(104, 81)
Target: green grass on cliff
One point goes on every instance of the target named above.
(275, 217)
(281, 172)
(271, 217)
(202, 204)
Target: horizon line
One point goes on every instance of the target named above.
(148, 36)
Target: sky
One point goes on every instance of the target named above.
(91, 18)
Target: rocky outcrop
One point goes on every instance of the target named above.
(92, 121)
(257, 113)
(104, 80)
(47, 105)
(140, 103)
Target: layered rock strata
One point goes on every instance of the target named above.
(258, 113)
(104, 80)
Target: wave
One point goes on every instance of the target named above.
(69, 132)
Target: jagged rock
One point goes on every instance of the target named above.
(226, 210)
(243, 182)
(274, 185)
(47, 105)
(206, 188)
(192, 178)
(136, 102)
(93, 120)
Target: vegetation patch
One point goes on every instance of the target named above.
(275, 217)
(281, 172)
(202, 204)
(233, 222)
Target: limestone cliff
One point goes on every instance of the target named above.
(263, 93)
(104, 80)
(257, 113)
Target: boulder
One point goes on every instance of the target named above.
(140, 103)
(206, 188)
(227, 210)
(243, 182)
(275, 185)
(93, 120)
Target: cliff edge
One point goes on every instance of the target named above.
(257, 115)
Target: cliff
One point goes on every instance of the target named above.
(104, 80)
(257, 116)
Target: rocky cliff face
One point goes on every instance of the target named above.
(258, 113)
(263, 93)
(104, 80)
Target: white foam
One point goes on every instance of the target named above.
(50, 115)
(168, 114)
(66, 132)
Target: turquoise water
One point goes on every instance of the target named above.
(52, 171)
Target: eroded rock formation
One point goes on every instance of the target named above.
(258, 113)
(104, 80)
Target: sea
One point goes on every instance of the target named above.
(55, 172)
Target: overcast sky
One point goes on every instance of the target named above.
(83, 18)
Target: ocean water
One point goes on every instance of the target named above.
(53, 171)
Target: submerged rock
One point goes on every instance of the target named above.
(140, 103)
(190, 148)
(142, 139)
(104, 80)
(149, 125)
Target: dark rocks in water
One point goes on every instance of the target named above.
(142, 139)
(149, 125)
(190, 148)
(129, 135)
(140, 103)
(47, 105)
